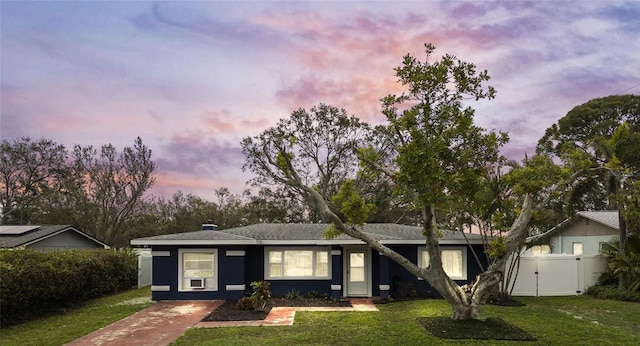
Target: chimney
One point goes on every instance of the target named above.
(209, 226)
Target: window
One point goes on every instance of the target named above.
(577, 248)
(454, 261)
(541, 249)
(298, 263)
(197, 270)
(602, 246)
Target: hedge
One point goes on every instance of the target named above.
(613, 293)
(34, 283)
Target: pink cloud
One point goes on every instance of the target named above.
(219, 121)
(203, 186)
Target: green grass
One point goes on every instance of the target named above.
(66, 327)
(580, 320)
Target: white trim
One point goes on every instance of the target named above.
(160, 288)
(160, 253)
(336, 252)
(211, 283)
(336, 287)
(315, 250)
(462, 249)
(235, 287)
(384, 287)
(239, 253)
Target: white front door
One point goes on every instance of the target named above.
(357, 273)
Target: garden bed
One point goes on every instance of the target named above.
(229, 312)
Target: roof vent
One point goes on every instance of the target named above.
(209, 226)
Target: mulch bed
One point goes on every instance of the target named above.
(491, 329)
(228, 311)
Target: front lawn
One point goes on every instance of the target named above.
(580, 320)
(68, 326)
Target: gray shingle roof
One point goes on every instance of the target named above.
(36, 234)
(607, 218)
(297, 233)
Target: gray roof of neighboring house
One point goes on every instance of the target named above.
(608, 218)
(15, 236)
(282, 233)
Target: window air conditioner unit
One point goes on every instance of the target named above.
(196, 283)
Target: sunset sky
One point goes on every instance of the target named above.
(193, 78)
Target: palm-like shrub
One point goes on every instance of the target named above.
(625, 266)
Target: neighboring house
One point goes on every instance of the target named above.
(566, 260)
(221, 264)
(47, 238)
(581, 235)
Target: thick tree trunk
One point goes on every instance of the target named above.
(467, 302)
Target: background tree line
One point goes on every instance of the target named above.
(105, 192)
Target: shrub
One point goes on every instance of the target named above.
(613, 293)
(313, 294)
(293, 294)
(260, 294)
(405, 289)
(625, 266)
(35, 283)
(245, 303)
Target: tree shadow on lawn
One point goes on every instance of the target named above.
(491, 329)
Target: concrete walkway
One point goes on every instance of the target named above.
(159, 324)
(165, 321)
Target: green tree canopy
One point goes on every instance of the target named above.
(431, 150)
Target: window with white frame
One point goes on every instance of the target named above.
(577, 248)
(297, 263)
(198, 270)
(454, 261)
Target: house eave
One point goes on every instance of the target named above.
(142, 242)
(151, 242)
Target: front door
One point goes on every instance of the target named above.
(357, 273)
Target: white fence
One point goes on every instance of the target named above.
(557, 275)
(144, 268)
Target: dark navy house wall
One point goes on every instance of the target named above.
(401, 280)
(279, 288)
(245, 264)
(165, 274)
(254, 270)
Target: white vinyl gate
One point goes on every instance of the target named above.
(557, 275)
